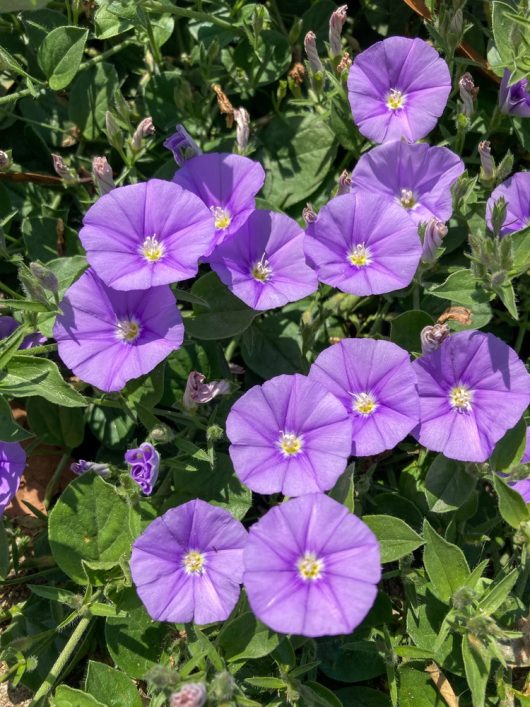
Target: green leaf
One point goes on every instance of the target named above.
(316, 694)
(54, 424)
(63, 596)
(511, 504)
(271, 346)
(246, 638)
(344, 489)
(225, 316)
(445, 563)
(24, 305)
(60, 55)
(40, 239)
(462, 288)
(506, 32)
(498, 592)
(108, 25)
(27, 376)
(506, 294)
(22, 5)
(509, 450)
(10, 431)
(520, 250)
(298, 151)
(89, 522)
(362, 697)
(111, 426)
(10, 345)
(267, 683)
(405, 329)
(477, 664)
(416, 688)
(448, 485)
(348, 660)
(395, 537)
(91, 95)
(273, 54)
(69, 697)
(111, 686)
(146, 390)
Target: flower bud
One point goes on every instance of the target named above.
(5, 160)
(198, 392)
(242, 119)
(344, 183)
(113, 131)
(222, 687)
(144, 129)
(45, 277)
(336, 23)
(82, 467)
(295, 31)
(31, 286)
(309, 214)
(182, 145)
(191, 695)
(498, 215)
(432, 337)
(144, 465)
(514, 99)
(121, 106)
(487, 163)
(258, 19)
(344, 64)
(310, 46)
(102, 175)
(468, 93)
(434, 233)
(162, 433)
(66, 174)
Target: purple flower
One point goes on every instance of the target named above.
(108, 337)
(420, 178)
(198, 392)
(523, 489)
(398, 88)
(188, 564)
(473, 389)
(8, 325)
(264, 264)
(362, 248)
(146, 234)
(191, 695)
(289, 435)
(145, 463)
(227, 184)
(12, 464)
(82, 467)
(526, 455)
(516, 191)
(514, 99)
(311, 567)
(182, 145)
(375, 382)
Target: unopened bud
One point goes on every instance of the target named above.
(468, 93)
(344, 183)
(310, 46)
(336, 23)
(5, 160)
(258, 18)
(432, 337)
(198, 392)
(487, 163)
(162, 434)
(344, 64)
(121, 106)
(309, 214)
(144, 129)
(222, 687)
(32, 287)
(82, 467)
(113, 130)
(45, 277)
(434, 233)
(498, 279)
(242, 119)
(191, 695)
(498, 215)
(62, 170)
(182, 145)
(102, 175)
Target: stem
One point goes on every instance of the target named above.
(46, 348)
(193, 15)
(106, 54)
(54, 481)
(521, 334)
(63, 659)
(15, 96)
(9, 291)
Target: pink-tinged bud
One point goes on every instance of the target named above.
(468, 93)
(102, 175)
(344, 183)
(310, 46)
(309, 214)
(235, 369)
(198, 392)
(336, 23)
(182, 145)
(432, 337)
(487, 162)
(144, 129)
(434, 234)
(63, 171)
(344, 64)
(5, 160)
(191, 695)
(242, 118)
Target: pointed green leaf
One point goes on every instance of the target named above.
(396, 538)
(445, 563)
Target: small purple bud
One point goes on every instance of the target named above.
(242, 118)
(82, 467)
(310, 46)
(236, 369)
(144, 464)
(45, 277)
(344, 183)
(487, 163)
(62, 170)
(432, 337)
(432, 239)
(191, 695)
(309, 214)
(468, 92)
(102, 175)
(144, 129)
(198, 392)
(182, 145)
(336, 23)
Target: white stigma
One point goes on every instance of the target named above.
(395, 99)
(128, 330)
(261, 271)
(360, 256)
(151, 249)
(193, 562)
(289, 444)
(364, 403)
(407, 199)
(460, 398)
(221, 217)
(310, 567)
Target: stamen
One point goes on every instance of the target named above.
(289, 444)
(360, 256)
(460, 398)
(364, 403)
(193, 562)
(262, 270)
(128, 330)
(152, 249)
(310, 567)
(407, 199)
(395, 99)
(222, 218)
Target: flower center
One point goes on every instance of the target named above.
(395, 99)
(221, 217)
(407, 199)
(128, 330)
(289, 444)
(193, 562)
(310, 567)
(460, 398)
(364, 403)
(262, 270)
(152, 249)
(360, 256)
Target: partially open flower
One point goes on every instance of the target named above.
(144, 464)
(198, 392)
